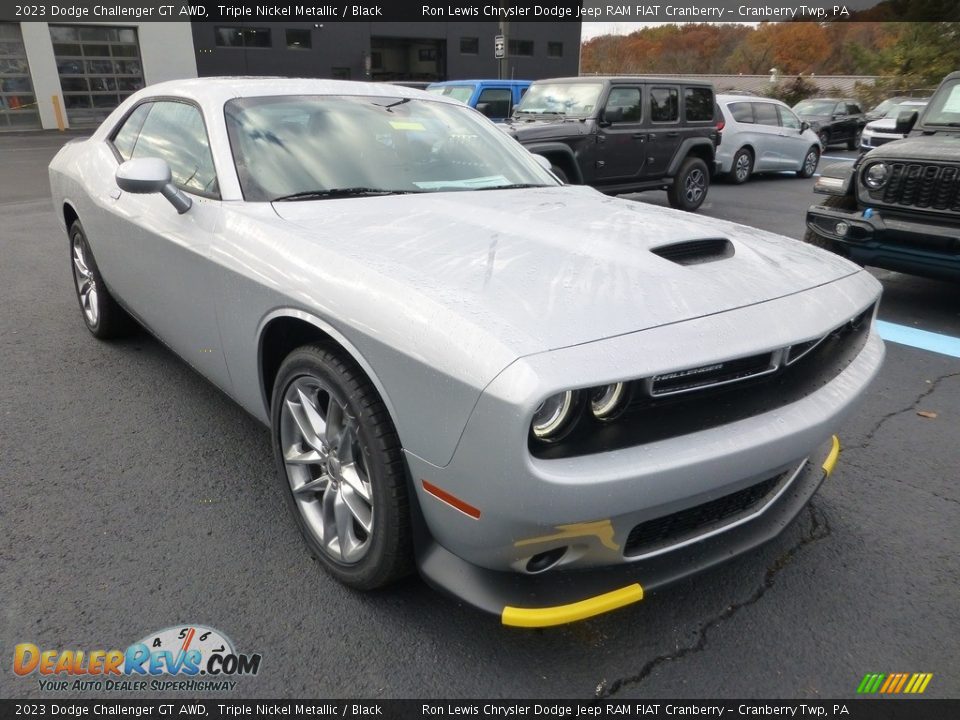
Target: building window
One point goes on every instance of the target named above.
(340, 73)
(555, 49)
(521, 48)
(243, 37)
(469, 46)
(298, 40)
(376, 60)
(427, 54)
(18, 104)
(99, 67)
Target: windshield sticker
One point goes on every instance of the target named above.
(406, 125)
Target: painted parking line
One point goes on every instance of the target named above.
(837, 157)
(923, 339)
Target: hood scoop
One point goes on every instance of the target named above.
(695, 252)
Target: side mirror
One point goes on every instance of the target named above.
(143, 176)
(804, 126)
(906, 120)
(612, 115)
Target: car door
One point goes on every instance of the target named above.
(495, 102)
(843, 124)
(856, 117)
(663, 137)
(793, 146)
(767, 130)
(160, 264)
(621, 140)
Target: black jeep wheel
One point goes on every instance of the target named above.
(690, 186)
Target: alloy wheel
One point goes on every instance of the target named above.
(86, 282)
(327, 469)
(810, 162)
(743, 167)
(694, 186)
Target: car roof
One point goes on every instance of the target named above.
(726, 98)
(625, 79)
(444, 83)
(218, 90)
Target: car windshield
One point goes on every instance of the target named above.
(568, 99)
(895, 111)
(457, 92)
(815, 107)
(944, 107)
(305, 147)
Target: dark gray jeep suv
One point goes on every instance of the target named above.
(898, 206)
(623, 134)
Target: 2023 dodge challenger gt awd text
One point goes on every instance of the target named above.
(547, 400)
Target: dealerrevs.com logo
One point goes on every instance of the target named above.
(186, 657)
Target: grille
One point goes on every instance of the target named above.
(685, 524)
(716, 374)
(936, 187)
(694, 252)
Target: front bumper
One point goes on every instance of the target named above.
(557, 598)
(894, 242)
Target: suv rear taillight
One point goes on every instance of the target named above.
(720, 125)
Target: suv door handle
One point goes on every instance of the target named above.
(639, 136)
(672, 134)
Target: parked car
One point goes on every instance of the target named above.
(879, 132)
(835, 120)
(898, 205)
(763, 135)
(548, 400)
(623, 134)
(883, 107)
(494, 98)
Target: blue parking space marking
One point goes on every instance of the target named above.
(837, 157)
(923, 339)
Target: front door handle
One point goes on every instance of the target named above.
(640, 136)
(672, 134)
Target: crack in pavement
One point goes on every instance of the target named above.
(889, 416)
(819, 529)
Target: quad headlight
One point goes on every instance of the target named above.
(875, 176)
(556, 416)
(608, 401)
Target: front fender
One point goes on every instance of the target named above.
(835, 179)
(559, 149)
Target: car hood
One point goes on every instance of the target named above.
(815, 118)
(885, 125)
(942, 147)
(554, 267)
(527, 130)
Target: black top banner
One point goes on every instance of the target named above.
(658, 709)
(673, 11)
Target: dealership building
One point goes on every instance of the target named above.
(73, 74)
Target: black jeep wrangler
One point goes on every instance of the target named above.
(898, 206)
(623, 134)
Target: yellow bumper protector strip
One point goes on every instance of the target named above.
(562, 614)
(831, 462)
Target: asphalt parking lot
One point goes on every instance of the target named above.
(135, 496)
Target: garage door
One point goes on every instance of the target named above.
(18, 104)
(98, 66)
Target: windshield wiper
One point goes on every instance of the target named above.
(514, 186)
(340, 193)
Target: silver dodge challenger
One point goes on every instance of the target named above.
(548, 401)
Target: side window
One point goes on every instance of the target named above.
(698, 104)
(628, 100)
(788, 119)
(126, 137)
(494, 102)
(174, 131)
(853, 109)
(766, 114)
(742, 111)
(840, 109)
(664, 104)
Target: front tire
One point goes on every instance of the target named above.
(810, 162)
(690, 186)
(342, 469)
(837, 202)
(742, 166)
(104, 318)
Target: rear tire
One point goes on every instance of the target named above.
(104, 318)
(854, 142)
(837, 202)
(690, 186)
(810, 162)
(742, 167)
(341, 468)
